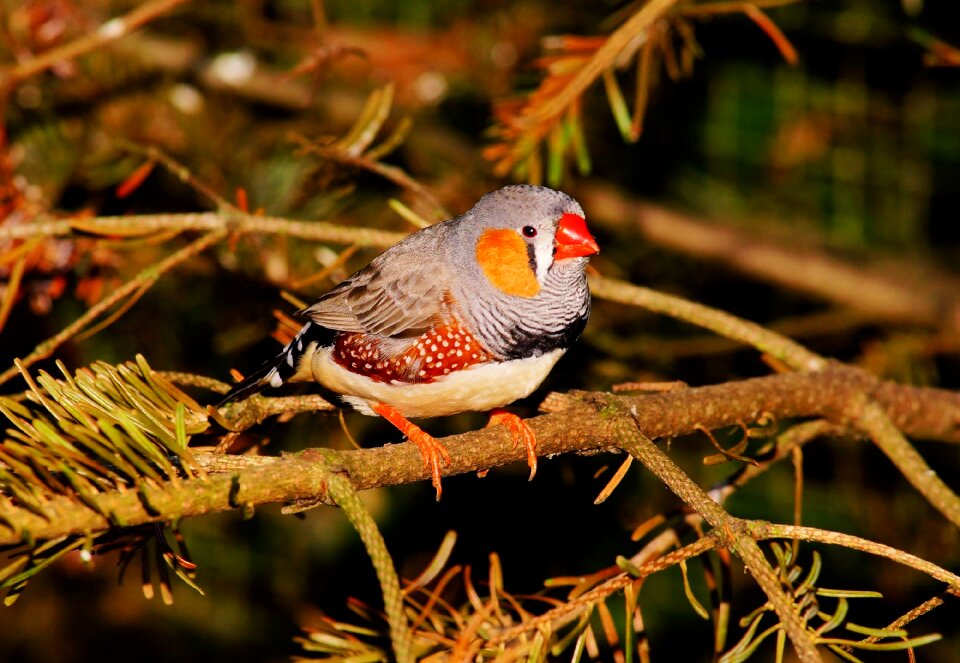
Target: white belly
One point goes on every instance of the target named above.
(478, 388)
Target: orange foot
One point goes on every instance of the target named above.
(521, 433)
(430, 447)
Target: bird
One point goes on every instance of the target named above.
(469, 314)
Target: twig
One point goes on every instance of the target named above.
(181, 172)
(913, 296)
(343, 493)
(110, 31)
(870, 418)
(391, 173)
(604, 58)
(760, 531)
(241, 416)
(922, 609)
(764, 530)
(253, 224)
(820, 324)
(11, 288)
(903, 291)
(605, 589)
(732, 532)
(730, 326)
(145, 278)
(787, 442)
(191, 380)
(219, 225)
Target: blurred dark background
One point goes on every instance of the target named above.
(854, 151)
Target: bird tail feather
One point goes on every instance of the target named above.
(276, 371)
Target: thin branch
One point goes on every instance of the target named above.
(218, 225)
(870, 418)
(763, 530)
(731, 531)
(900, 291)
(108, 32)
(760, 531)
(787, 442)
(604, 288)
(181, 172)
(605, 589)
(819, 324)
(922, 609)
(191, 380)
(252, 224)
(343, 493)
(390, 173)
(144, 279)
(914, 295)
(604, 58)
(730, 326)
(252, 411)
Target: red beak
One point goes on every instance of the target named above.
(573, 240)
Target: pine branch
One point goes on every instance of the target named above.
(655, 33)
(581, 425)
(667, 557)
(732, 532)
(844, 395)
(346, 498)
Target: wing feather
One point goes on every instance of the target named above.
(399, 293)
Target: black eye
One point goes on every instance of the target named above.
(529, 231)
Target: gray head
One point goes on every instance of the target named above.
(514, 236)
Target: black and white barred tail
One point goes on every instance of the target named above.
(278, 370)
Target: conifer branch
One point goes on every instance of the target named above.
(578, 424)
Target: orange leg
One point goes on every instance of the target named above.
(521, 433)
(430, 448)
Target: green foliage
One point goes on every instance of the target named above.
(801, 585)
(103, 428)
(857, 142)
(77, 437)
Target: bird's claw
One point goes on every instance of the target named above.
(432, 452)
(430, 448)
(521, 433)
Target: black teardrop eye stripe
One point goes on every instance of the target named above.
(532, 257)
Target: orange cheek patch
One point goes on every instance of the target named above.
(502, 255)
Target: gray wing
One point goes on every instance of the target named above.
(399, 293)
